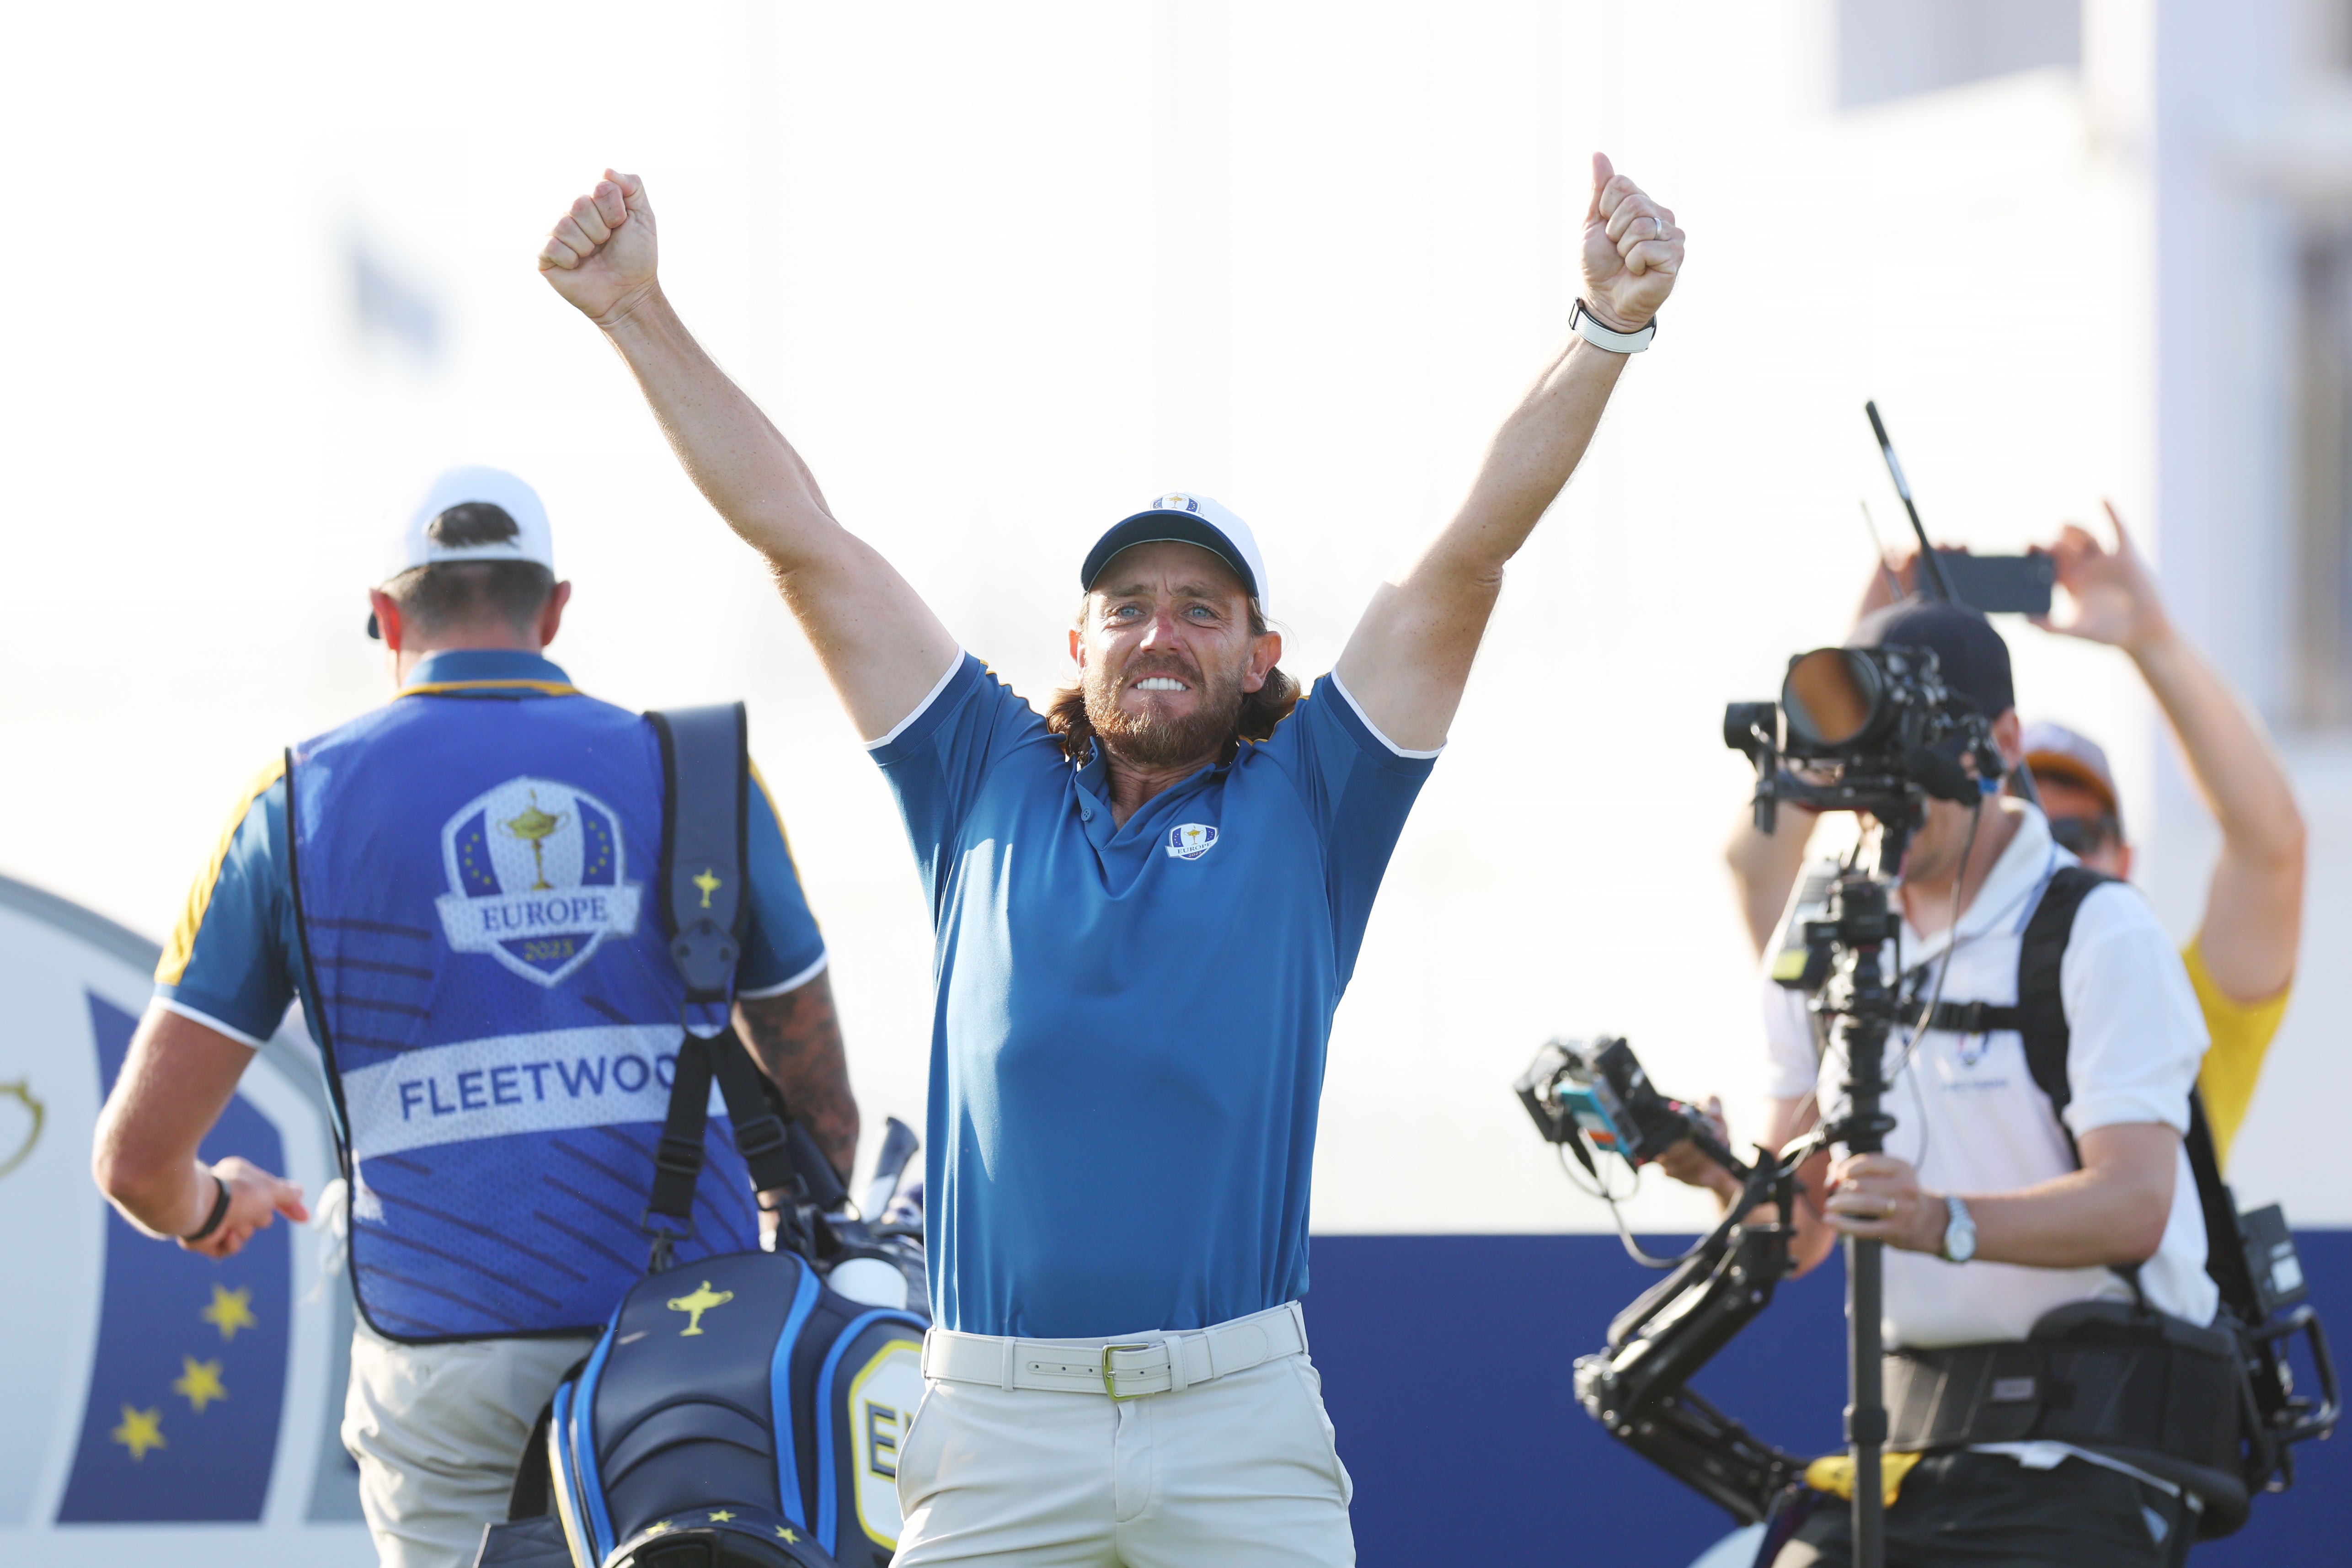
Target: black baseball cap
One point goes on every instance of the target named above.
(1970, 655)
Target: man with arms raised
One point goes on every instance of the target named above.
(1146, 907)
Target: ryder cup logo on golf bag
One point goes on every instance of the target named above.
(737, 1411)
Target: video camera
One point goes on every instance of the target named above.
(1872, 729)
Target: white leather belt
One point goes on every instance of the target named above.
(1160, 1362)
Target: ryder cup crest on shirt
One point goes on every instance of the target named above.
(538, 878)
(1191, 841)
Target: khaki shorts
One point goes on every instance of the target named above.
(437, 1431)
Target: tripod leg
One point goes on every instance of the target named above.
(1865, 1418)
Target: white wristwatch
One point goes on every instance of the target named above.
(1589, 328)
(1959, 1231)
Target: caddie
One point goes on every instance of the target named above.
(1146, 903)
(460, 888)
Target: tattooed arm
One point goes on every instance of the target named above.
(796, 1039)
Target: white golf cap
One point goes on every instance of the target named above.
(2054, 751)
(428, 537)
(1181, 516)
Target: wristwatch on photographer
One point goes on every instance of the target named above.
(1959, 1231)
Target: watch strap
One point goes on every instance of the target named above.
(1589, 327)
(220, 1211)
(1957, 1218)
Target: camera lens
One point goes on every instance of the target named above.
(1831, 698)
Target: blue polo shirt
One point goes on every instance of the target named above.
(1129, 1024)
(234, 960)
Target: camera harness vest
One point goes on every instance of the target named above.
(2155, 1391)
(2208, 1413)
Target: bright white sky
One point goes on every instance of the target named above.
(1002, 271)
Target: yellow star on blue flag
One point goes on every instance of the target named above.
(231, 1310)
(199, 1382)
(141, 1430)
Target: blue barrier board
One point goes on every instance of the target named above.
(1446, 1365)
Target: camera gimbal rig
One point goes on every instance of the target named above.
(1873, 730)
(1892, 737)
(1636, 1387)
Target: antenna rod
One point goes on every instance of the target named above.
(1885, 570)
(1933, 579)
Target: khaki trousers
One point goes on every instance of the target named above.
(437, 1431)
(1237, 1473)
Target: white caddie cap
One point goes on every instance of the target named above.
(1181, 516)
(420, 542)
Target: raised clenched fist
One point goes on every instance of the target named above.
(1632, 251)
(600, 254)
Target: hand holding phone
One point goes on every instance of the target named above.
(1996, 584)
(2003, 584)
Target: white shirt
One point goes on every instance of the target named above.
(1970, 1119)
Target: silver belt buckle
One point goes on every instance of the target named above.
(1108, 1386)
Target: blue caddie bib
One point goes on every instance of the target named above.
(475, 883)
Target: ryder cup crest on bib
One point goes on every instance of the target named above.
(538, 878)
(1191, 841)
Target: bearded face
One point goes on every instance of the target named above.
(1162, 710)
(1168, 645)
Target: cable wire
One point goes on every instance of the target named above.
(1953, 942)
(1732, 1215)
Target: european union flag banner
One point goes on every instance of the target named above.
(184, 1395)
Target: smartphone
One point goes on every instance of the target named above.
(2003, 584)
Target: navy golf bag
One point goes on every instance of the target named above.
(737, 1411)
(736, 1414)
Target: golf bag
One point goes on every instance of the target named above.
(737, 1411)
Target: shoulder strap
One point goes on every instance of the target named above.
(760, 1136)
(2040, 1007)
(2041, 1019)
(706, 795)
(2225, 1252)
(2047, 1037)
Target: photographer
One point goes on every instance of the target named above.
(1997, 1205)
(2241, 960)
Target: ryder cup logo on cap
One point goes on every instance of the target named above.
(538, 878)
(474, 514)
(1188, 517)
